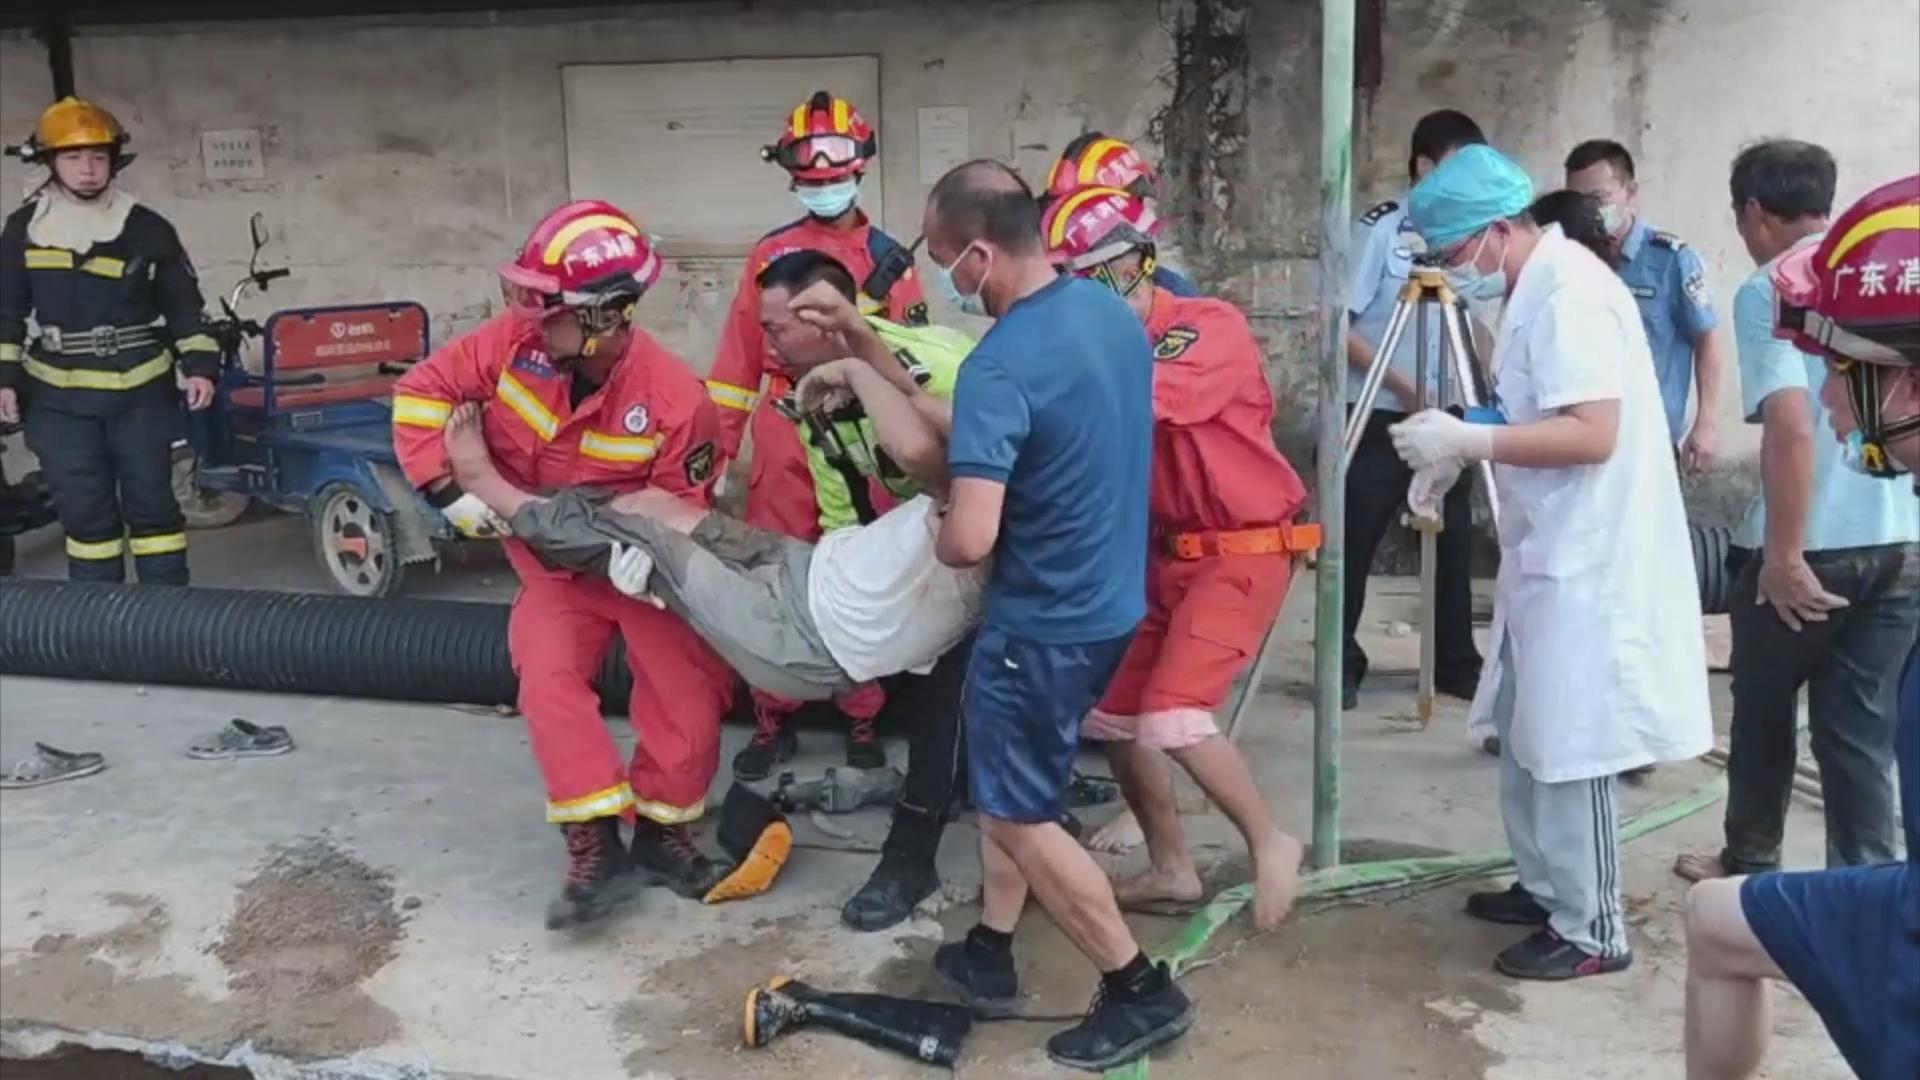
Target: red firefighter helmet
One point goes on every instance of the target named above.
(1095, 225)
(1097, 160)
(1855, 299)
(826, 138)
(588, 256)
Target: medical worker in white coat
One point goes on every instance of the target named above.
(1598, 664)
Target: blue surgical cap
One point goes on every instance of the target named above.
(1473, 188)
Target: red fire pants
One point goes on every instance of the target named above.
(558, 636)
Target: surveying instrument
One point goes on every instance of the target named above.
(1426, 295)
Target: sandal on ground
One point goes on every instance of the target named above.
(241, 739)
(50, 765)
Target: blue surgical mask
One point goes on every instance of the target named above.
(829, 201)
(975, 304)
(1474, 286)
(1853, 454)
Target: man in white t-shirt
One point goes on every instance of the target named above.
(1596, 660)
(798, 619)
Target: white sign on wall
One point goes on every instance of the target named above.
(944, 140)
(233, 154)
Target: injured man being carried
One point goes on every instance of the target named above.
(801, 620)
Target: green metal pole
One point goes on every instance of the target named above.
(1336, 214)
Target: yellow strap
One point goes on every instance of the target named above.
(197, 343)
(729, 396)
(82, 379)
(618, 447)
(527, 405)
(163, 544)
(95, 550)
(11, 354)
(49, 259)
(667, 814)
(105, 266)
(421, 412)
(603, 803)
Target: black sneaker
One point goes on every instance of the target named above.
(888, 898)
(1118, 1030)
(984, 979)
(597, 877)
(863, 746)
(1515, 907)
(1548, 957)
(773, 743)
(666, 855)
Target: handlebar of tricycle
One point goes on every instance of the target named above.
(265, 276)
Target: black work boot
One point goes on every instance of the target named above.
(905, 876)
(666, 855)
(980, 970)
(773, 743)
(1125, 1022)
(863, 745)
(597, 877)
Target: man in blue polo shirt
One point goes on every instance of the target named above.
(1669, 282)
(1052, 422)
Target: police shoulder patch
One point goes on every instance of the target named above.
(1668, 240)
(1373, 216)
(1175, 342)
(700, 463)
(1696, 288)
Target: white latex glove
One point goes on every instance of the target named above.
(630, 568)
(1431, 437)
(471, 517)
(1430, 486)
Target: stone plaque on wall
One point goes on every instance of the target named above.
(233, 154)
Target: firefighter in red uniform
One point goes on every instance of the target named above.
(1221, 502)
(825, 148)
(574, 393)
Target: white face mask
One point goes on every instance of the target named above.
(829, 201)
(970, 304)
(1474, 286)
(1613, 217)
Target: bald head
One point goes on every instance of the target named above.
(982, 201)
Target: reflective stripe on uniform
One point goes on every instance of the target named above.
(421, 412)
(593, 444)
(11, 354)
(49, 259)
(95, 550)
(666, 814)
(603, 803)
(197, 343)
(105, 266)
(83, 379)
(163, 544)
(729, 396)
(527, 406)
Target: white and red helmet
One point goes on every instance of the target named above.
(1098, 160)
(1093, 226)
(587, 256)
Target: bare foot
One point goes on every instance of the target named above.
(1121, 834)
(1699, 867)
(1276, 880)
(1159, 888)
(466, 444)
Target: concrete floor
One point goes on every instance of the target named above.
(398, 933)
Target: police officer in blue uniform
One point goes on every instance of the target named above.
(1384, 244)
(1669, 282)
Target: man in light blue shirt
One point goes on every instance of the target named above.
(1669, 283)
(1828, 592)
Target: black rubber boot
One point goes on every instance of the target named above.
(597, 875)
(666, 855)
(981, 971)
(923, 1030)
(863, 746)
(906, 874)
(773, 743)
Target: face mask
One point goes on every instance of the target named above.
(829, 201)
(975, 304)
(1474, 286)
(1855, 456)
(1613, 217)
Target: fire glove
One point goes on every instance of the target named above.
(630, 568)
(1431, 437)
(471, 517)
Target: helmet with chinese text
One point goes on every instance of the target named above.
(1099, 160)
(587, 256)
(1088, 231)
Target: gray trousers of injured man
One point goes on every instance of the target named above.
(742, 589)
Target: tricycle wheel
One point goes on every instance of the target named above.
(355, 542)
(202, 509)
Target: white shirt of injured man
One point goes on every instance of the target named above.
(1596, 610)
(881, 600)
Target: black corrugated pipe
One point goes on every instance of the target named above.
(288, 643)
